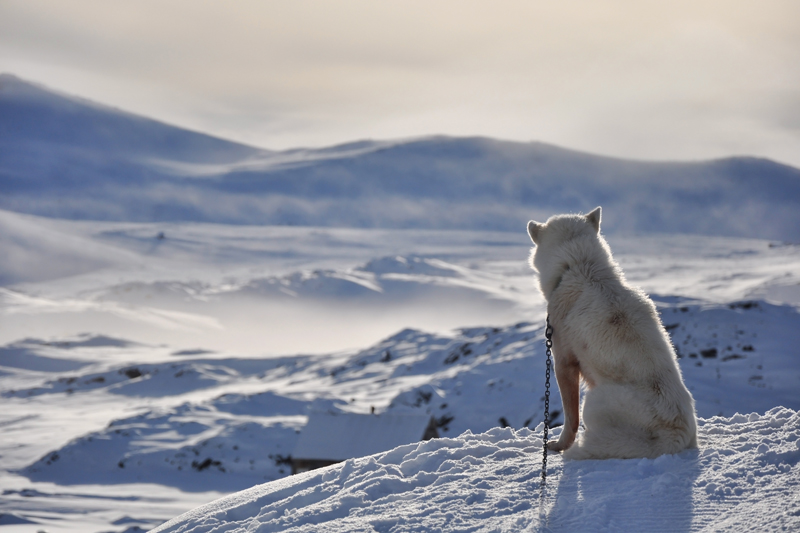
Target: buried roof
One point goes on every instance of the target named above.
(337, 437)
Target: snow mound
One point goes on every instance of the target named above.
(189, 447)
(746, 470)
(747, 345)
(397, 277)
(410, 265)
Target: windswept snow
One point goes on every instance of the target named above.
(57, 152)
(745, 476)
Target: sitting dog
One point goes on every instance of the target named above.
(609, 334)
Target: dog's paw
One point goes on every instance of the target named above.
(556, 446)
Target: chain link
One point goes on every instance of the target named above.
(548, 335)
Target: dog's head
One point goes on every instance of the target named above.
(564, 227)
(554, 240)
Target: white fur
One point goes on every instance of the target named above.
(609, 334)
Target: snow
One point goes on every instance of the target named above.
(149, 368)
(746, 470)
(57, 152)
(340, 436)
(109, 426)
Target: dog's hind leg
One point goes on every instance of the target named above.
(568, 377)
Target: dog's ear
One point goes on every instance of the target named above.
(594, 219)
(534, 229)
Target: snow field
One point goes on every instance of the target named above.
(224, 438)
(168, 404)
(746, 470)
(148, 368)
(475, 380)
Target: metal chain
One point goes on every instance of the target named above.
(548, 335)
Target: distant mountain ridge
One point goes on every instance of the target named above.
(30, 113)
(65, 157)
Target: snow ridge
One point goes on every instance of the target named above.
(68, 158)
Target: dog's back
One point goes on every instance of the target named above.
(636, 404)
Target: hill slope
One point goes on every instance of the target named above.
(147, 368)
(66, 157)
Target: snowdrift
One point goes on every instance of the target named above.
(745, 476)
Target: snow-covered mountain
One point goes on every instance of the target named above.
(65, 157)
(153, 359)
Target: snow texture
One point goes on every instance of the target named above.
(340, 436)
(746, 469)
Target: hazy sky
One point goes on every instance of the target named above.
(644, 79)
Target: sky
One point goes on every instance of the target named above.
(663, 80)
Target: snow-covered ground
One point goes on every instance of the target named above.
(745, 477)
(146, 369)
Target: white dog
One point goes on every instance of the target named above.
(609, 333)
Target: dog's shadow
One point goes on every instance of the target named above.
(625, 495)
